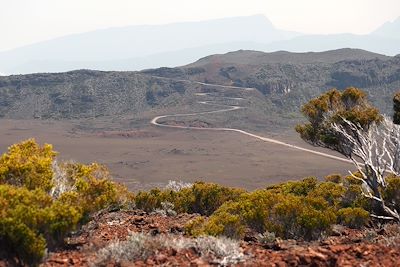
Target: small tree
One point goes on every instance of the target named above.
(346, 122)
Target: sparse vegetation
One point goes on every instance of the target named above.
(44, 200)
(32, 218)
(346, 122)
(303, 209)
(353, 217)
(203, 198)
(140, 246)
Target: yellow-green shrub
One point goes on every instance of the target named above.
(334, 178)
(391, 193)
(28, 219)
(353, 198)
(31, 216)
(352, 180)
(353, 217)
(205, 198)
(202, 198)
(151, 200)
(94, 188)
(287, 215)
(20, 241)
(27, 164)
(333, 193)
(299, 188)
(231, 226)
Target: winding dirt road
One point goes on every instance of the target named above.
(229, 108)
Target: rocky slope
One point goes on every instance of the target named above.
(284, 81)
(83, 94)
(346, 247)
(290, 79)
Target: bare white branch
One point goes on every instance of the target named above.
(374, 151)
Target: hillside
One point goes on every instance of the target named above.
(284, 81)
(289, 79)
(84, 94)
(260, 58)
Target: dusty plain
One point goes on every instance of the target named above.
(147, 156)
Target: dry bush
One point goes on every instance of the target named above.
(177, 185)
(140, 246)
(391, 237)
(167, 209)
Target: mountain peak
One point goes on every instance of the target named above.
(390, 29)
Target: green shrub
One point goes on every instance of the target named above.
(205, 198)
(333, 193)
(20, 241)
(289, 216)
(334, 178)
(94, 188)
(353, 217)
(27, 164)
(303, 209)
(299, 188)
(353, 198)
(202, 198)
(231, 226)
(351, 180)
(301, 217)
(391, 193)
(31, 216)
(24, 217)
(151, 200)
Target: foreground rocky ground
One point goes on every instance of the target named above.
(344, 247)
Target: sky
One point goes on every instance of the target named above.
(24, 22)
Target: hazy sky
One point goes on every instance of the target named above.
(27, 21)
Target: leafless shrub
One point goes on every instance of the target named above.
(139, 246)
(61, 181)
(177, 185)
(391, 235)
(224, 251)
(370, 235)
(266, 237)
(374, 151)
(167, 209)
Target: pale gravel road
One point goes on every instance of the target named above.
(228, 108)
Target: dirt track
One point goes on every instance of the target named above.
(146, 156)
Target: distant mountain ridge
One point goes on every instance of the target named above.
(258, 57)
(389, 29)
(142, 47)
(122, 43)
(318, 43)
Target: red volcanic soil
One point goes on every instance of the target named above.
(345, 248)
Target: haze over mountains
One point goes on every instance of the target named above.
(142, 47)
